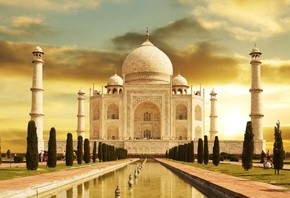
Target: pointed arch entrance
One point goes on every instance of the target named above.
(147, 123)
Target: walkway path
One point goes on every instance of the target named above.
(245, 187)
(34, 185)
(30, 186)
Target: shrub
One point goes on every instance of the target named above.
(59, 157)
(225, 155)
(256, 156)
(18, 159)
(234, 159)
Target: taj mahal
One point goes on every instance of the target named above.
(147, 110)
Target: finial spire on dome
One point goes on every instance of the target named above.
(147, 34)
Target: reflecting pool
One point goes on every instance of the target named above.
(153, 181)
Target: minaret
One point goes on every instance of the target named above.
(81, 114)
(37, 95)
(213, 116)
(256, 100)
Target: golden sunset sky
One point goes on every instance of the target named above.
(86, 41)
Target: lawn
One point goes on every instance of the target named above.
(255, 173)
(11, 173)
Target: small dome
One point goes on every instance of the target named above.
(213, 93)
(81, 92)
(115, 80)
(38, 50)
(179, 80)
(255, 50)
(147, 64)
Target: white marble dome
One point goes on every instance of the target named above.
(147, 64)
(179, 80)
(255, 50)
(115, 80)
(37, 50)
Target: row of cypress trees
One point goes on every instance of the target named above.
(181, 152)
(186, 152)
(32, 157)
(108, 152)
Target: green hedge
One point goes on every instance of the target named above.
(18, 159)
(234, 159)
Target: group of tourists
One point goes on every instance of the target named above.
(43, 156)
(266, 159)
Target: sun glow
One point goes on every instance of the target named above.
(233, 123)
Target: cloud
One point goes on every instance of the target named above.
(276, 71)
(61, 63)
(53, 5)
(25, 26)
(245, 20)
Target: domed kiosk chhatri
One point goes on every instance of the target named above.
(147, 111)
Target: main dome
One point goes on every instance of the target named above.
(147, 64)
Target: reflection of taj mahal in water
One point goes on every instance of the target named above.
(148, 111)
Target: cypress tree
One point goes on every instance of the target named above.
(87, 154)
(192, 151)
(185, 148)
(95, 152)
(51, 152)
(80, 150)
(200, 151)
(180, 153)
(248, 147)
(109, 152)
(69, 154)
(166, 154)
(104, 152)
(216, 152)
(100, 152)
(32, 157)
(205, 153)
(278, 150)
(175, 153)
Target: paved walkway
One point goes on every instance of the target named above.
(33, 185)
(245, 187)
(16, 187)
